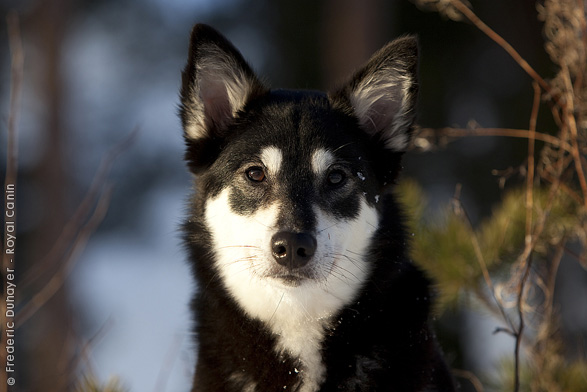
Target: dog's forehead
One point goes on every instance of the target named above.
(288, 127)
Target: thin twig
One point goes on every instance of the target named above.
(570, 120)
(524, 261)
(521, 325)
(492, 305)
(582, 7)
(530, 176)
(528, 238)
(582, 261)
(488, 31)
(504, 132)
(470, 376)
(84, 209)
(504, 330)
(460, 211)
(551, 282)
(564, 187)
(84, 361)
(47, 292)
(172, 354)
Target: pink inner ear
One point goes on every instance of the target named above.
(217, 110)
(383, 111)
(377, 104)
(382, 105)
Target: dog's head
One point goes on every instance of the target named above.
(292, 182)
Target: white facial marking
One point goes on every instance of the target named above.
(297, 315)
(272, 157)
(321, 160)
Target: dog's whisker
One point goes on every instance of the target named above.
(356, 262)
(277, 307)
(261, 223)
(329, 227)
(240, 246)
(343, 146)
(346, 273)
(354, 253)
(373, 225)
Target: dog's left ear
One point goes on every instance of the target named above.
(382, 94)
(217, 83)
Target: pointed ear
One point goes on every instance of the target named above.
(382, 95)
(217, 83)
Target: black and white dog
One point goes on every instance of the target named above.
(296, 241)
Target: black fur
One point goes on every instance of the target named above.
(382, 340)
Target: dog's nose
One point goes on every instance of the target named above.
(293, 250)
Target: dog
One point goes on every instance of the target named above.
(294, 235)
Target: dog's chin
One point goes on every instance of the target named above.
(291, 278)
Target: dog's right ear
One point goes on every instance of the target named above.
(382, 95)
(217, 83)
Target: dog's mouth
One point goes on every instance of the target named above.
(291, 278)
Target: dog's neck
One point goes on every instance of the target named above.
(302, 339)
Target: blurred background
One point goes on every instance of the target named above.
(95, 70)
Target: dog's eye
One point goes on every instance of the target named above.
(335, 178)
(255, 174)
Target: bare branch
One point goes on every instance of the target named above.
(528, 238)
(530, 177)
(47, 292)
(569, 113)
(503, 132)
(172, 354)
(460, 212)
(488, 31)
(467, 375)
(84, 209)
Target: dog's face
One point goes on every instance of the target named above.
(292, 211)
(292, 182)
